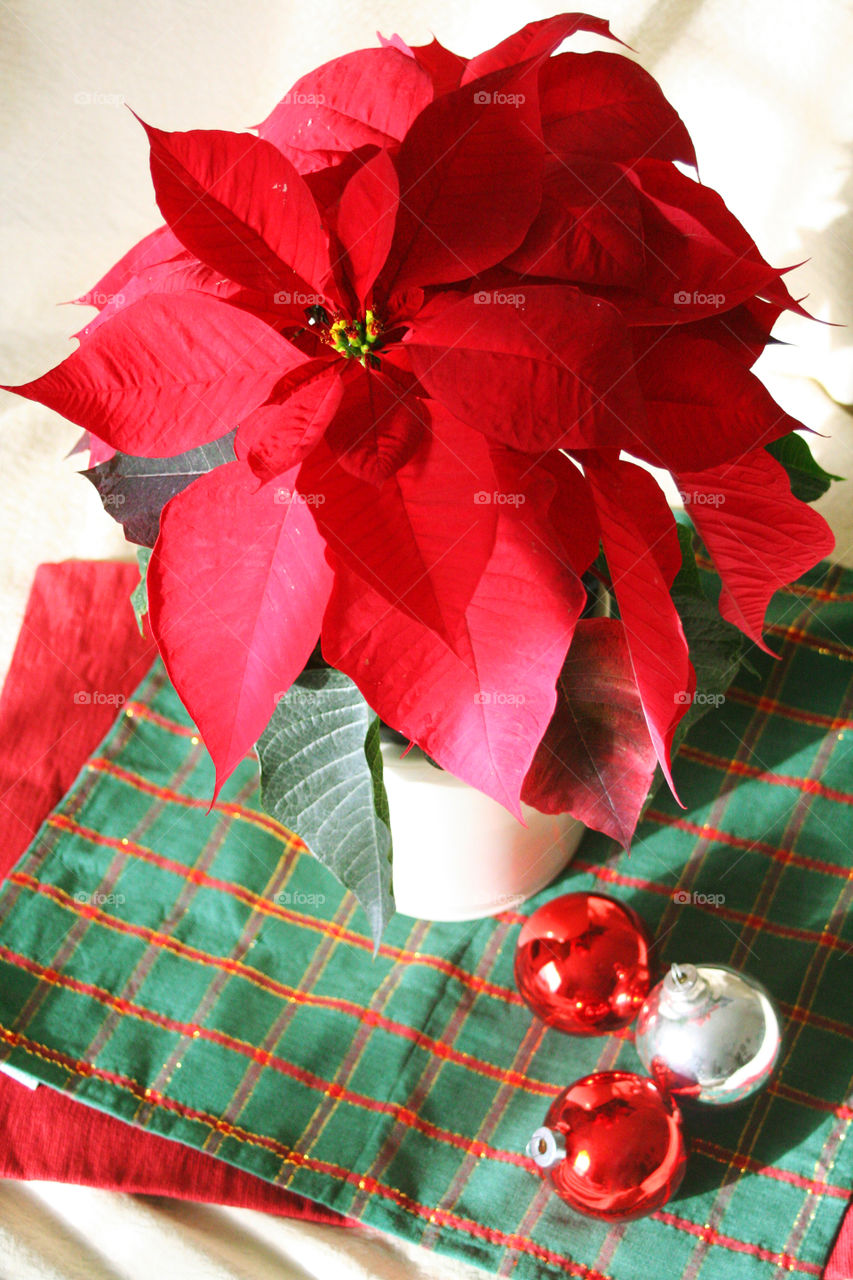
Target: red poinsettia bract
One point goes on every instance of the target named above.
(449, 305)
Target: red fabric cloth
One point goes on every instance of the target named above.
(840, 1264)
(78, 654)
(78, 651)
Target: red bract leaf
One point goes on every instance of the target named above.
(588, 228)
(378, 428)
(744, 331)
(470, 171)
(699, 259)
(157, 247)
(605, 105)
(537, 40)
(400, 309)
(394, 41)
(443, 67)
(572, 518)
(480, 706)
(703, 405)
(279, 434)
(424, 538)
(327, 184)
(758, 534)
(235, 616)
(185, 274)
(156, 277)
(544, 368)
(98, 451)
(166, 374)
(596, 760)
(643, 556)
(371, 96)
(235, 202)
(365, 222)
(241, 207)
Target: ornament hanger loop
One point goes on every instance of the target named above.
(547, 1147)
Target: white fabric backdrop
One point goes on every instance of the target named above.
(764, 88)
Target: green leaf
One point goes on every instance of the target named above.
(808, 478)
(716, 650)
(372, 750)
(321, 776)
(687, 581)
(139, 595)
(134, 490)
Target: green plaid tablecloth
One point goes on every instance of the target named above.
(193, 972)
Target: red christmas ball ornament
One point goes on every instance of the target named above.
(582, 963)
(612, 1146)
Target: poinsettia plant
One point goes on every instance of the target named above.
(384, 391)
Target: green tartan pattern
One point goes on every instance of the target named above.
(195, 973)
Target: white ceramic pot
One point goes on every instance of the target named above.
(459, 855)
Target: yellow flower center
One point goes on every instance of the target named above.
(355, 339)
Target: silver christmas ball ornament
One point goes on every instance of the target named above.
(709, 1034)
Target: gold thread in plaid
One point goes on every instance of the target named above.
(423, 1073)
(741, 950)
(425, 1086)
(243, 944)
(327, 1105)
(146, 961)
(42, 848)
(528, 1047)
(692, 869)
(312, 973)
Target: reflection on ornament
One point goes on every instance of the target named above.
(612, 1146)
(582, 963)
(709, 1034)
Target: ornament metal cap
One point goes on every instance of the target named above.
(547, 1147)
(683, 985)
